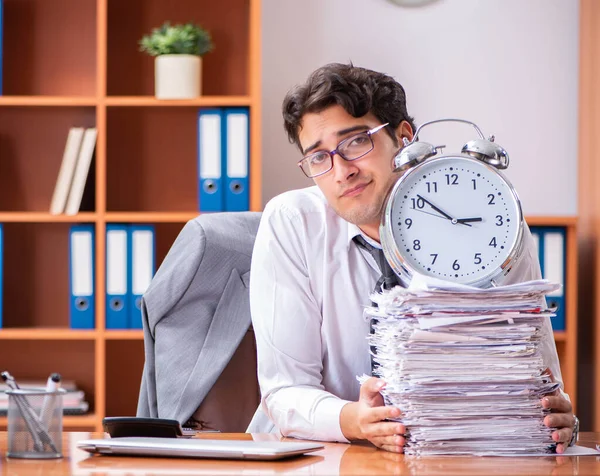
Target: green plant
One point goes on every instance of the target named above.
(188, 39)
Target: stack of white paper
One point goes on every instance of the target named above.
(464, 366)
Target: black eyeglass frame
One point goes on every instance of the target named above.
(331, 153)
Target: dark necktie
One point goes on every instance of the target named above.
(388, 278)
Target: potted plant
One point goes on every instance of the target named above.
(178, 52)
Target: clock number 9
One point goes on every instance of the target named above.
(408, 223)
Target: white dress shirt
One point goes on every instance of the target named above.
(309, 284)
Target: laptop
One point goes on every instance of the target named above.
(198, 448)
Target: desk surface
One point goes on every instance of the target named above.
(355, 459)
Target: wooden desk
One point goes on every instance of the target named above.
(355, 459)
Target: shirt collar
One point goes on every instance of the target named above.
(354, 230)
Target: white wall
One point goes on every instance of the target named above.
(511, 66)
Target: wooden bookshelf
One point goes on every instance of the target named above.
(76, 63)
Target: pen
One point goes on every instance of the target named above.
(12, 384)
(35, 426)
(52, 386)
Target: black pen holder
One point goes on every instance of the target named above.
(35, 423)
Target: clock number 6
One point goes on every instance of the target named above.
(455, 265)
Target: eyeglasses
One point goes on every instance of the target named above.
(351, 148)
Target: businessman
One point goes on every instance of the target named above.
(310, 279)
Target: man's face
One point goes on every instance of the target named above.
(356, 190)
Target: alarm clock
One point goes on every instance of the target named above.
(454, 217)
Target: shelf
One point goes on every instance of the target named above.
(46, 334)
(32, 148)
(203, 101)
(150, 217)
(145, 168)
(151, 159)
(47, 101)
(560, 336)
(49, 48)
(41, 217)
(69, 421)
(225, 71)
(551, 220)
(124, 334)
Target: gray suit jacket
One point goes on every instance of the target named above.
(195, 313)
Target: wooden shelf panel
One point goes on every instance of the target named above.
(41, 217)
(123, 386)
(32, 146)
(133, 334)
(150, 217)
(36, 359)
(47, 101)
(47, 334)
(52, 47)
(551, 220)
(203, 101)
(148, 168)
(36, 276)
(224, 71)
(88, 420)
(560, 336)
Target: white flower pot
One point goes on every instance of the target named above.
(177, 76)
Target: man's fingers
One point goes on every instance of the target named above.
(559, 420)
(378, 414)
(389, 441)
(561, 448)
(384, 430)
(563, 435)
(557, 403)
(369, 391)
(393, 449)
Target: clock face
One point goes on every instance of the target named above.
(454, 218)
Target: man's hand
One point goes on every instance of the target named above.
(365, 419)
(561, 418)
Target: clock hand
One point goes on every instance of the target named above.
(465, 220)
(435, 208)
(435, 215)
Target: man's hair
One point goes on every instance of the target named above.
(358, 90)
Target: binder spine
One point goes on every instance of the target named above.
(552, 252)
(237, 152)
(117, 298)
(142, 264)
(210, 160)
(82, 276)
